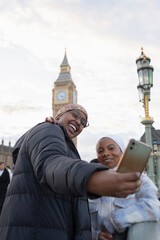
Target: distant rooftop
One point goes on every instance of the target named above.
(5, 148)
(155, 135)
(66, 76)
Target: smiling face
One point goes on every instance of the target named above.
(72, 124)
(108, 152)
(2, 166)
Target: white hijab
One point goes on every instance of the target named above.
(116, 139)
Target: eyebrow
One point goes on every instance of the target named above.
(99, 148)
(110, 145)
(77, 111)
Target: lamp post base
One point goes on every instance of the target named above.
(148, 121)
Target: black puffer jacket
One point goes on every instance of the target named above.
(46, 199)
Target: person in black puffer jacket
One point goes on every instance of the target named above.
(4, 181)
(47, 198)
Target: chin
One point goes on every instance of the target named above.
(71, 136)
(109, 166)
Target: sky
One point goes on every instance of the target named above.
(103, 39)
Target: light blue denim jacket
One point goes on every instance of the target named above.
(116, 214)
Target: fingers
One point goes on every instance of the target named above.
(124, 184)
(49, 119)
(132, 180)
(105, 236)
(129, 183)
(113, 184)
(130, 176)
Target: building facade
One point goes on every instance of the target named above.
(6, 154)
(155, 139)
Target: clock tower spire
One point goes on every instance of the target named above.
(65, 70)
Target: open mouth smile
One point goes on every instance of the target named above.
(107, 160)
(73, 127)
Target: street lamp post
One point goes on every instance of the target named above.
(145, 76)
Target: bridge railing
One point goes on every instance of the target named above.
(144, 231)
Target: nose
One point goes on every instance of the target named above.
(105, 153)
(78, 120)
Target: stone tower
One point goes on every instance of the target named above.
(64, 91)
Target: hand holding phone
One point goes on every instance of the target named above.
(135, 157)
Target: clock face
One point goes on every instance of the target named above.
(61, 96)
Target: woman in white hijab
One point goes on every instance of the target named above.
(111, 216)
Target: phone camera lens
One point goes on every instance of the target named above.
(133, 143)
(131, 148)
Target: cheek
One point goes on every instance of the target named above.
(80, 130)
(117, 158)
(62, 121)
(99, 158)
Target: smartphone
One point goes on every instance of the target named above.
(135, 157)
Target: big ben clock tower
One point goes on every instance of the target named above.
(64, 91)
